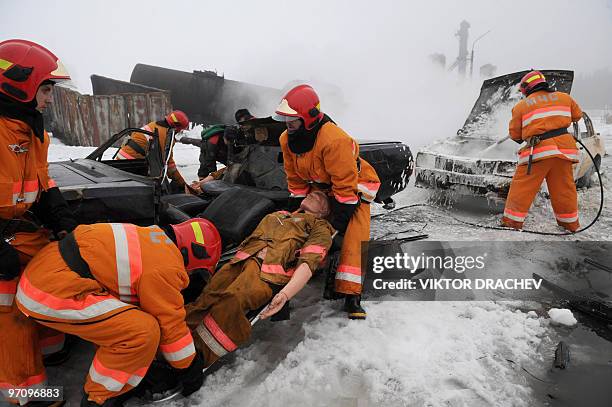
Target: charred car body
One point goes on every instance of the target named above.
(465, 164)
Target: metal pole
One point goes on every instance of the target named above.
(472, 53)
(472, 62)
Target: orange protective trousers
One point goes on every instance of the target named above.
(559, 177)
(126, 342)
(348, 275)
(217, 318)
(23, 341)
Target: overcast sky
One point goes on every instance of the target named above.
(375, 52)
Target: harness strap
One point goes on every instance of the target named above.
(535, 140)
(69, 250)
(136, 147)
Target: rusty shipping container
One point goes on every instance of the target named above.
(89, 120)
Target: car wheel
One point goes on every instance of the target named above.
(586, 181)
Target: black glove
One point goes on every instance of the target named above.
(341, 215)
(293, 203)
(192, 377)
(53, 211)
(10, 261)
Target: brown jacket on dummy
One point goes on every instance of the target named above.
(279, 257)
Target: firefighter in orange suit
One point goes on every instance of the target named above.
(138, 144)
(119, 286)
(318, 154)
(542, 120)
(29, 199)
(279, 257)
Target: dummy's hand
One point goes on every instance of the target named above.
(275, 305)
(206, 179)
(195, 188)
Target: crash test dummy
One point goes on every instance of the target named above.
(270, 267)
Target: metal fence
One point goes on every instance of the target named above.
(89, 120)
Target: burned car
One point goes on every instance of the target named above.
(101, 189)
(465, 164)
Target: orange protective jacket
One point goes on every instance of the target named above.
(290, 240)
(24, 169)
(540, 112)
(23, 175)
(332, 161)
(127, 152)
(132, 267)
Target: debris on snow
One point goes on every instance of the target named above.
(562, 316)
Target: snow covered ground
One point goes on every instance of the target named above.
(405, 353)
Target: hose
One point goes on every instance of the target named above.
(535, 232)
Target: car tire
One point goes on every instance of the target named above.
(586, 181)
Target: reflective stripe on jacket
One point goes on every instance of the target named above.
(539, 113)
(24, 169)
(132, 265)
(143, 140)
(290, 240)
(333, 161)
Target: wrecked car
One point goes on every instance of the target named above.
(465, 164)
(101, 189)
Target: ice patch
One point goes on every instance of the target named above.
(562, 316)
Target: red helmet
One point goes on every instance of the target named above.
(24, 66)
(300, 102)
(178, 120)
(199, 242)
(530, 81)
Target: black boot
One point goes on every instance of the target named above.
(352, 305)
(59, 357)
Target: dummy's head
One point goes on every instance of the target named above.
(317, 204)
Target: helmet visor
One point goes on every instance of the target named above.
(284, 118)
